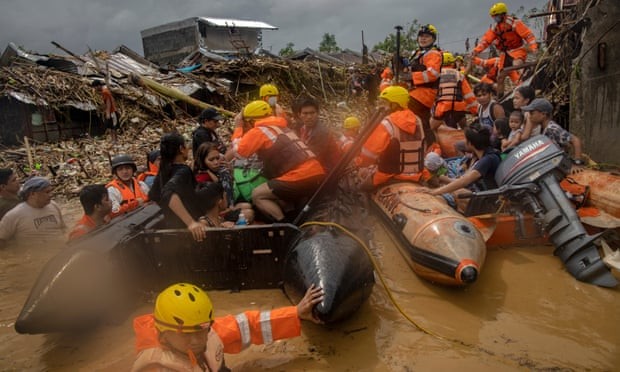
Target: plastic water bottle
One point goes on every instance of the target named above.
(241, 221)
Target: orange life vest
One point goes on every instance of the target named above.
(130, 197)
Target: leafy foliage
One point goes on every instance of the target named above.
(288, 50)
(408, 39)
(329, 44)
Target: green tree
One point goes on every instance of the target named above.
(408, 39)
(329, 44)
(288, 50)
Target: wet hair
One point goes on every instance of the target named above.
(478, 136)
(518, 113)
(305, 101)
(483, 88)
(92, 195)
(209, 194)
(502, 127)
(169, 147)
(97, 83)
(5, 175)
(527, 92)
(201, 152)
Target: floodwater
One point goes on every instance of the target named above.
(524, 313)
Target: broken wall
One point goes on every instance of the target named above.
(595, 88)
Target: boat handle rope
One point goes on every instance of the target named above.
(391, 296)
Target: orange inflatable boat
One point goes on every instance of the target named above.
(439, 244)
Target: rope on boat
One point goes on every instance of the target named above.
(393, 300)
(375, 265)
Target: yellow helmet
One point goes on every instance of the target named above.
(459, 58)
(396, 94)
(448, 59)
(183, 308)
(268, 90)
(497, 9)
(428, 29)
(256, 110)
(351, 122)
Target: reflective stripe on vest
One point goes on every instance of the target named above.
(507, 39)
(244, 330)
(287, 152)
(410, 151)
(265, 327)
(450, 85)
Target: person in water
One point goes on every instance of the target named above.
(182, 333)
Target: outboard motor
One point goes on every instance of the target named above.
(530, 175)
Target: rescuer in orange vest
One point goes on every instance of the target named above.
(386, 79)
(183, 334)
(293, 170)
(395, 146)
(508, 35)
(125, 191)
(454, 97)
(350, 130)
(268, 93)
(425, 69)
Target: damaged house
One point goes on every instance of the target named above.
(170, 43)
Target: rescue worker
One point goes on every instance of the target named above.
(152, 161)
(268, 93)
(182, 334)
(396, 145)
(125, 191)
(425, 69)
(386, 78)
(491, 66)
(292, 169)
(97, 207)
(508, 36)
(350, 130)
(454, 97)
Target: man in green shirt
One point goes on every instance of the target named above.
(9, 187)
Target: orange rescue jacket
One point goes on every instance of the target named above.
(507, 35)
(130, 198)
(426, 82)
(256, 140)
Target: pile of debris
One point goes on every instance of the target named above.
(151, 101)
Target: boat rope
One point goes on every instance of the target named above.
(395, 303)
(375, 265)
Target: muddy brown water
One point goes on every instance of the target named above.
(525, 312)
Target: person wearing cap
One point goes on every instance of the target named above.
(37, 219)
(125, 191)
(97, 207)
(152, 162)
(425, 68)
(208, 121)
(183, 333)
(541, 111)
(293, 171)
(9, 189)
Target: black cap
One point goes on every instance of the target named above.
(210, 114)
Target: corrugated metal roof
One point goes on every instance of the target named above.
(223, 22)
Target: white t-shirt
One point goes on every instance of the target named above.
(28, 225)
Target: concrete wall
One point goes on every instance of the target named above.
(595, 91)
(171, 46)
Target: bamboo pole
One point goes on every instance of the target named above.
(176, 94)
(29, 153)
(321, 77)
